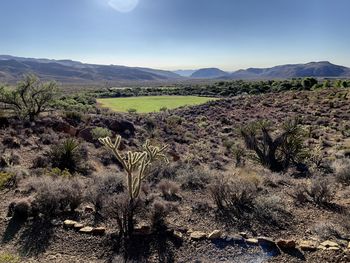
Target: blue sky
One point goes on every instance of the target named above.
(174, 34)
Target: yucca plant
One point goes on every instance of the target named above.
(66, 155)
(279, 152)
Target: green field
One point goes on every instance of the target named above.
(151, 103)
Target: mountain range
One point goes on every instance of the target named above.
(67, 71)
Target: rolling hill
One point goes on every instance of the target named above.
(13, 68)
(209, 73)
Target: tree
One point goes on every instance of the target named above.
(29, 98)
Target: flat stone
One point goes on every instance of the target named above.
(197, 235)
(252, 241)
(321, 247)
(307, 245)
(216, 234)
(69, 223)
(244, 234)
(333, 248)
(99, 231)
(329, 243)
(286, 244)
(86, 230)
(78, 226)
(237, 239)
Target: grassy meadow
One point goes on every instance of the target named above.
(148, 104)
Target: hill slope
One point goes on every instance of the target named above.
(209, 73)
(312, 69)
(12, 69)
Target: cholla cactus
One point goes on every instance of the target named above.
(135, 164)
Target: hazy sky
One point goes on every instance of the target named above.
(174, 34)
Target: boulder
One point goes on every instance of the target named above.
(237, 239)
(66, 128)
(197, 235)
(124, 128)
(86, 134)
(69, 223)
(266, 241)
(86, 230)
(286, 244)
(216, 234)
(307, 245)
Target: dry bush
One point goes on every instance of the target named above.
(271, 210)
(54, 195)
(319, 191)
(327, 230)
(169, 189)
(233, 194)
(102, 187)
(160, 209)
(21, 209)
(341, 169)
(193, 178)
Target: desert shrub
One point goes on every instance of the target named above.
(132, 110)
(233, 195)
(174, 120)
(20, 209)
(102, 188)
(277, 153)
(193, 178)
(29, 98)
(66, 155)
(8, 258)
(341, 168)
(73, 117)
(160, 209)
(7, 180)
(169, 189)
(239, 155)
(100, 132)
(56, 195)
(328, 230)
(319, 191)
(57, 172)
(271, 210)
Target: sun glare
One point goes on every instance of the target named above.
(123, 6)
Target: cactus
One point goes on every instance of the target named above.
(135, 164)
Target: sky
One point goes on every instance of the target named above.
(178, 34)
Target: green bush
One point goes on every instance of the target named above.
(100, 132)
(29, 98)
(9, 258)
(7, 180)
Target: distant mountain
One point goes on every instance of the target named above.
(185, 73)
(68, 71)
(312, 69)
(209, 73)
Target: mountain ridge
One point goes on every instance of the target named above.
(68, 71)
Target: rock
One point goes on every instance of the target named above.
(88, 209)
(56, 222)
(86, 230)
(86, 134)
(307, 245)
(78, 226)
(197, 235)
(321, 247)
(216, 234)
(69, 223)
(286, 244)
(349, 245)
(124, 128)
(142, 230)
(177, 235)
(99, 231)
(329, 243)
(66, 128)
(333, 248)
(266, 241)
(252, 241)
(237, 239)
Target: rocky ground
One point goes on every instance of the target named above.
(198, 139)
